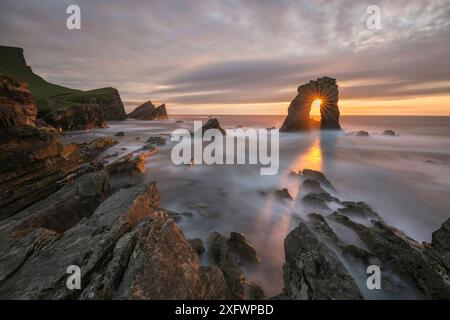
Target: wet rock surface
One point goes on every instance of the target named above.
(360, 133)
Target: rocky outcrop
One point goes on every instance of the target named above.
(409, 258)
(326, 90)
(17, 105)
(147, 111)
(312, 271)
(389, 133)
(77, 117)
(227, 258)
(243, 250)
(127, 249)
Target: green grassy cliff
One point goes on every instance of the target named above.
(49, 96)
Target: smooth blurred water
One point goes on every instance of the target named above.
(406, 179)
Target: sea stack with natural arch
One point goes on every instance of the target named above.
(326, 90)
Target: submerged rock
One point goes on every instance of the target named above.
(408, 257)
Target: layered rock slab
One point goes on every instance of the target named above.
(298, 118)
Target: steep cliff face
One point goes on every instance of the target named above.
(51, 97)
(148, 111)
(324, 89)
(17, 105)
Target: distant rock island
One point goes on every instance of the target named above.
(148, 111)
(64, 108)
(298, 118)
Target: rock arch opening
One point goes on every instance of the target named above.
(323, 91)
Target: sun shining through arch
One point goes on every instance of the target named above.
(315, 107)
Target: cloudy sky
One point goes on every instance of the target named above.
(241, 56)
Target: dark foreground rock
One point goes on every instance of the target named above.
(409, 269)
(148, 111)
(126, 249)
